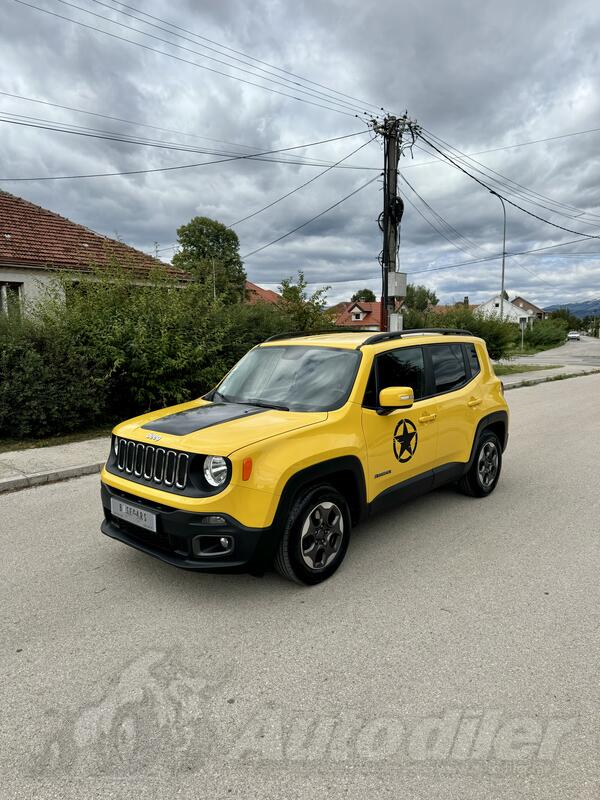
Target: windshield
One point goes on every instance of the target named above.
(294, 378)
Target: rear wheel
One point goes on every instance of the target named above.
(316, 536)
(484, 472)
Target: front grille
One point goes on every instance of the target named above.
(158, 465)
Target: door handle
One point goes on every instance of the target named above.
(427, 418)
(474, 401)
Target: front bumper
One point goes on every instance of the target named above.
(253, 548)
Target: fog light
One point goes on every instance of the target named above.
(210, 546)
(213, 520)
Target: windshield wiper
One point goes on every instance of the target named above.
(262, 404)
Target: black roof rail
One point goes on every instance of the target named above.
(298, 334)
(386, 336)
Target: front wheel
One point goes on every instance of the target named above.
(483, 474)
(316, 536)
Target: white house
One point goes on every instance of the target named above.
(510, 311)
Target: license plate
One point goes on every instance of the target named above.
(134, 514)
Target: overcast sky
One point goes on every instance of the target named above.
(479, 75)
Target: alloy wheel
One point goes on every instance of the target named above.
(322, 535)
(487, 464)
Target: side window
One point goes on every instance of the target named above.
(401, 367)
(448, 367)
(473, 359)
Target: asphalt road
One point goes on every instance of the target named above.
(585, 352)
(454, 655)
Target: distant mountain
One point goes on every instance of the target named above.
(586, 308)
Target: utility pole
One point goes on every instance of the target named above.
(393, 283)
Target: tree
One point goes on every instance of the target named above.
(364, 295)
(571, 321)
(304, 311)
(419, 298)
(211, 252)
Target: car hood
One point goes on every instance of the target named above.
(215, 428)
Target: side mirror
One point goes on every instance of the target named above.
(395, 397)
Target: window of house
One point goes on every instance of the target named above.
(473, 359)
(402, 367)
(10, 297)
(448, 367)
(356, 315)
(497, 305)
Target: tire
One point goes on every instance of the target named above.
(316, 536)
(484, 473)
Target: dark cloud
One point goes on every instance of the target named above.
(478, 75)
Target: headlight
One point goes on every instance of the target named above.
(215, 470)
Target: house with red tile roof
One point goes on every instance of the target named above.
(256, 294)
(529, 306)
(36, 244)
(360, 315)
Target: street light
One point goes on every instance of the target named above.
(503, 253)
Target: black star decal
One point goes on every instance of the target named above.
(405, 440)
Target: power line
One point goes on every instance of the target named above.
(270, 75)
(121, 119)
(510, 202)
(309, 93)
(179, 58)
(251, 58)
(535, 250)
(445, 224)
(297, 189)
(261, 156)
(435, 160)
(526, 193)
(452, 228)
(506, 147)
(312, 219)
(530, 195)
(283, 197)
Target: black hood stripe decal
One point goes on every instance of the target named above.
(195, 419)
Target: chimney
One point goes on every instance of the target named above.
(466, 301)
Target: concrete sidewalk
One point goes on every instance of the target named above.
(543, 375)
(20, 469)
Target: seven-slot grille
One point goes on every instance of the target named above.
(156, 464)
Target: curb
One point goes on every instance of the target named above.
(548, 379)
(40, 478)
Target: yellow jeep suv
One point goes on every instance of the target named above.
(301, 440)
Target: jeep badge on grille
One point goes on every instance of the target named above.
(154, 436)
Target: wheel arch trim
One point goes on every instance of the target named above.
(325, 471)
(495, 419)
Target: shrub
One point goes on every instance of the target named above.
(546, 333)
(499, 336)
(104, 350)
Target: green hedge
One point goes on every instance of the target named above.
(499, 336)
(104, 351)
(546, 333)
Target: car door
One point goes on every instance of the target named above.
(401, 444)
(456, 394)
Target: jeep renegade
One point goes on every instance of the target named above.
(302, 439)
